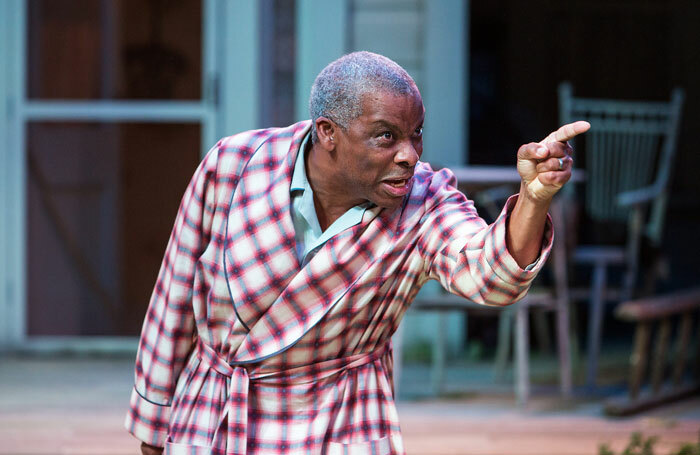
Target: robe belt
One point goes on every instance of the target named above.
(240, 377)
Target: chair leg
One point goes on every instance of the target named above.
(573, 338)
(595, 322)
(564, 348)
(632, 253)
(541, 326)
(505, 325)
(522, 365)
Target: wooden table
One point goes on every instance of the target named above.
(497, 175)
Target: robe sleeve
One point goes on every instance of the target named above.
(168, 330)
(468, 257)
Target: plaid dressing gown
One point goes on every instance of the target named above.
(244, 351)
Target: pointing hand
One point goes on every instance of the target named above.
(545, 166)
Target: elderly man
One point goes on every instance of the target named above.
(295, 253)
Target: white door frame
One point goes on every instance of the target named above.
(228, 103)
(12, 184)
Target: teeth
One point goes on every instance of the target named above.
(398, 183)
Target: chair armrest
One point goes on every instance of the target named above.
(661, 306)
(639, 196)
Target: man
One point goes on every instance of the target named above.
(294, 255)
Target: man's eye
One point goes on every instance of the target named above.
(419, 131)
(387, 135)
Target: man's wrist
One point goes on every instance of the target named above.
(535, 203)
(529, 206)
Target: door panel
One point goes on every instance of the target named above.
(101, 200)
(114, 49)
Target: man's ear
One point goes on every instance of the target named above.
(326, 131)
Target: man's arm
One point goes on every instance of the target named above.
(465, 255)
(488, 264)
(544, 168)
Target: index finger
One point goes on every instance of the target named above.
(568, 131)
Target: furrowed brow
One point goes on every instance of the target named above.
(384, 124)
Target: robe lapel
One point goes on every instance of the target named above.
(335, 269)
(260, 257)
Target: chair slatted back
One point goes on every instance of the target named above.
(630, 146)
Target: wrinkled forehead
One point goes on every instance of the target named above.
(387, 88)
(403, 110)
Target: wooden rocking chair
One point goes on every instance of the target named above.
(629, 154)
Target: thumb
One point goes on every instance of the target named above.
(533, 151)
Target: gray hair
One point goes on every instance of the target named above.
(338, 89)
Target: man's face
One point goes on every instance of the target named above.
(378, 151)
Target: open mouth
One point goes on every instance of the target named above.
(397, 187)
(398, 183)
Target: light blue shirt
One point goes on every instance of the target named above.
(307, 230)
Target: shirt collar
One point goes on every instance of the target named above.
(299, 179)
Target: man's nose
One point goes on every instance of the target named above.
(407, 155)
